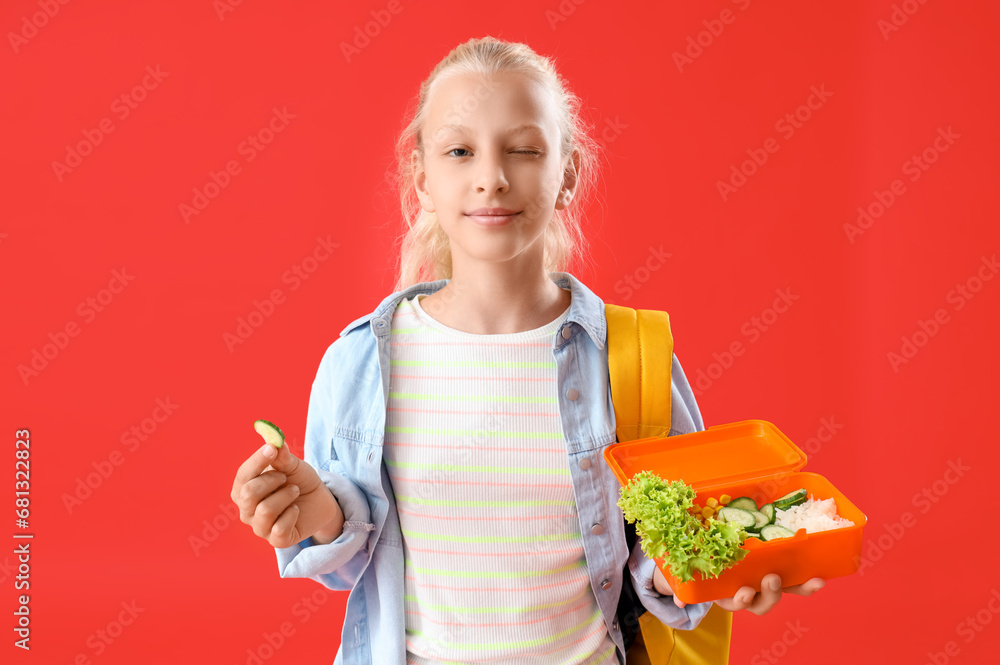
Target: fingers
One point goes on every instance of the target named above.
(251, 468)
(747, 598)
(270, 508)
(284, 460)
(808, 588)
(256, 489)
(284, 533)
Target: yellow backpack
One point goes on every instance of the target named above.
(640, 357)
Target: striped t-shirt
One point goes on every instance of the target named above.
(494, 561)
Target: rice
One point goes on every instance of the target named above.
(812, 515)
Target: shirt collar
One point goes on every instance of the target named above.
(586, 309)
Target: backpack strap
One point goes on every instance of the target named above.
(640, 357)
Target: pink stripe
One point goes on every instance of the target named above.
(477, 413)
(395, 478)
(420, 549)
(455, 588)
(586, 602)
(448, 342)
(477, 518)
(466, 377)
(597, 630)
(561, 450)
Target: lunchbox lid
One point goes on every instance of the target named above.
(734, 452)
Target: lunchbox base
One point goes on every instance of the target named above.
(823, 554)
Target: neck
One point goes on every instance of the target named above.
(492, 299)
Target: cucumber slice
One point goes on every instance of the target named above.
(773, 532)
(272, 433)
(762, 520)
(744, 503)
(738, 516)
(790, 499)
(768, 510)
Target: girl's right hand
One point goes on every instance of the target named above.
(284, 500)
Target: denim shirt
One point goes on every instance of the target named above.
(344, 438)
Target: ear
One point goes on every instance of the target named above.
(420, 181)
(570, 180)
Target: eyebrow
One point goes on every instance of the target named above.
(520, 129)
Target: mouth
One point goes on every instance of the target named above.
(492, 216)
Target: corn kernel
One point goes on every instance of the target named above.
(725, 499)
(712, 503)
(707, 511)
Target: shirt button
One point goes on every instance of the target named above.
(614, 625)
(584, 463)
(597, 529)
(566, 333)
(606, 584)
(572, 394)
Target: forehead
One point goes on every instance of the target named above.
(505, 104)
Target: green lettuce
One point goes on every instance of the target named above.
(668, 531)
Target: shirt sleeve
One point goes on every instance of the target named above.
(336, 565)
(685, 417)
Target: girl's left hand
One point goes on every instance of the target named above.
(748, 598)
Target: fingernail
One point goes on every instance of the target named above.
(270, 452)
(774, 585)
(747, 597)
(295, 489)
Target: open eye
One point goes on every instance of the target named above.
(454, 149)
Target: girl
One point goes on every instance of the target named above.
(453, 477)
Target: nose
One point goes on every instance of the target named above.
(490, 174)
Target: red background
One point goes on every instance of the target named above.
(679, 132)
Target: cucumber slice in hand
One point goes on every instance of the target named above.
(272, 433)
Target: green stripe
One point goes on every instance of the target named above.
(481, 504)
(492, 610)
(573, 659)
(473, 432)
(500, 645)
(472, 363)
(490, 539)
(496, 574)
(526, 470)
(513, 399)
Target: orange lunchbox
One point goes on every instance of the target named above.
(748, 458)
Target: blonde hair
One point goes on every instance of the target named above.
(424, 252)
